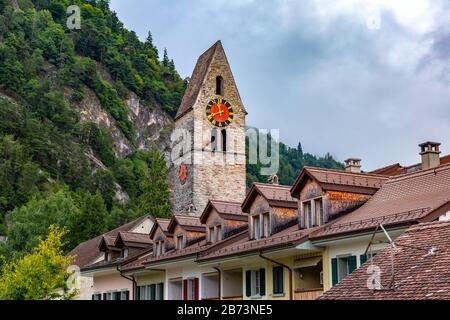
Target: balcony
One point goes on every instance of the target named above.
(232, 298)
(308, 294)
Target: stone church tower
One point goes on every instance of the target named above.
(210, 125)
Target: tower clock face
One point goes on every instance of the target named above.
(219, 112)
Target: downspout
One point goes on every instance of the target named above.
(132, 279)
(284, 266)
(220, 282)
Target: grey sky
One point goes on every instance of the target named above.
(356, 78)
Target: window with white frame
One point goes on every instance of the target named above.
(211, 234)
(313, 213)
(97, 296)
(215, 233)
(159, 247)
(180, 242)
(260, 226)
(153, 291)
(191, 289)
(255, 283)
(125, 253)
(218, 232)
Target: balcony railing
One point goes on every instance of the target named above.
(308, 294)
(232, 298)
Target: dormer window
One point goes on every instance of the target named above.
(159, 247)
(180, 242)
(125, 253)
(260, 226)
(312, 213)
(215, 233)
(107, 256)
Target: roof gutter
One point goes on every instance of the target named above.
(132, 279)
(284, 266)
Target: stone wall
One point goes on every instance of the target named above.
(214, 175)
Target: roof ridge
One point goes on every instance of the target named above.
(428, 225)
(363, 174)
(411, 175)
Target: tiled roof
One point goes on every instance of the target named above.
(421, 268)
(186, 222)
(88, 251)
(227, 210)
(163, 223)
(134, 237)
(137, 263)
(109, 240)
(288, 236)
(275, 194)
(117, 261)
(396, 169)
(331, 179)
(402, 199)
(196, 81)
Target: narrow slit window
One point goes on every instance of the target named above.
(224, 140)
(219, 85)
(213, 140)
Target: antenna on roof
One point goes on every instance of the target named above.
(371, 254)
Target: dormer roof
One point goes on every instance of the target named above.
(226, 210)
(276, 195)
(336, 180)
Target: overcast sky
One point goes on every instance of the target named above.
(356, 78)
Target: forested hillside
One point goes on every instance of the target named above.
(58, 164)
(85, 117)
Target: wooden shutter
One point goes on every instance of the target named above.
(262, 282)
(248, 283)
(277, 279)
(351, 264)
(152, 292)
(334, 272)
(362, 259)
(185, 289)
(160, 291)
(196, 289)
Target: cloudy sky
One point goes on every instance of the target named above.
(356, 78)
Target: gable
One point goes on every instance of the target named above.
(144, 227)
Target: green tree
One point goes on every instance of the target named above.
(154, 190)
(91, 220)
(30, 222)
(39, 275)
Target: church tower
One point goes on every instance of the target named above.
(210, 123)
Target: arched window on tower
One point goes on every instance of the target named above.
(224, 140)
(219, 85)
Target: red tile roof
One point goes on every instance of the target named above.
(401, 200)
(331, 179)
(88, 251)
(274, 194)
(421, 268)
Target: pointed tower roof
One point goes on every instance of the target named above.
(198, 77)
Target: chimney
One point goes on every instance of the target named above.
(353, 165)
(429, 152)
